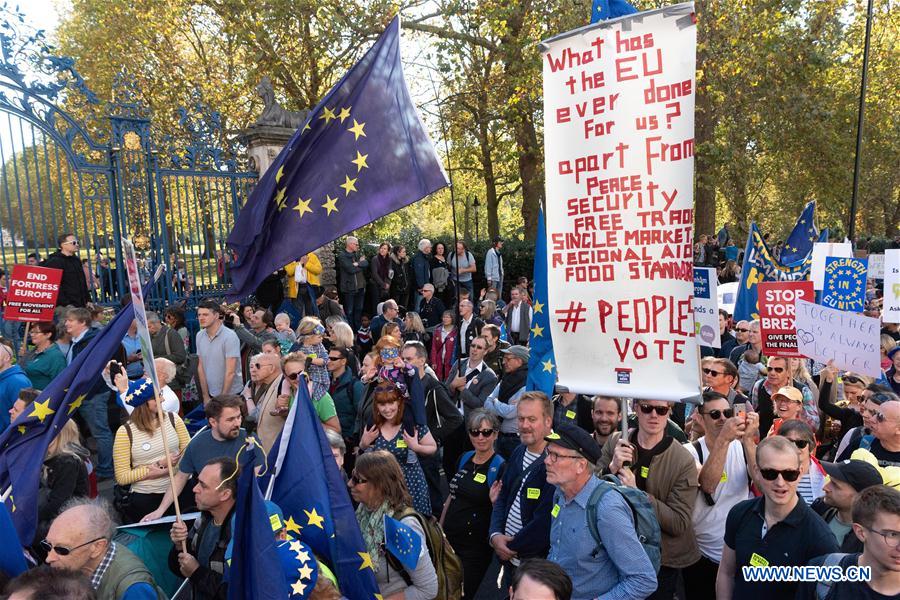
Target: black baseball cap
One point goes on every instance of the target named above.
(577, 439)
(858, 473)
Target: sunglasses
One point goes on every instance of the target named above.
(852, 379)
(801, 444)
(777, 369)
(357, 480)
(293, 376)
(259, 365)
(481, 432)
(787, 474)
(713, 373)
(742, 330)
(478, 347)
(660, 410)
(73, 242)
(716, 413)
(62, 550)
(339, 357)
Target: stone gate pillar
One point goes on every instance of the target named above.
(266, 138)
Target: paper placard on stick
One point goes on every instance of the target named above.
(852, 341)
(821, 250)
(777, 302)
(32, 293)
(140, 315)
(619, 164)
(876, 266)
(706, 308)
(890, 310)
(845, 284)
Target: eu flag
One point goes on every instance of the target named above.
(314, 499)
(255, 561)
(800, 242)
(602, 10)
(760, 265)
(541, 362)
(24, 443)
(363, 153)
(12, 558)
(402, 541)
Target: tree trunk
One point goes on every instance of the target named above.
(704, 132)
(491, 202)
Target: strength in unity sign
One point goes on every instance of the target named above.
(619, 161)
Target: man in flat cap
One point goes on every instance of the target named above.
(619, 568)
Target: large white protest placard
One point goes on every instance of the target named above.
(890, 310)
(849, 339)
(876, 266)
(619, 163)
(706, 308)
(821, 251)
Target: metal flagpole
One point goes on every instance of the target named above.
(859, 124)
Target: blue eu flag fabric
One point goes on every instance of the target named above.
(12, 559)
(800, 242)
(541, 362)
(402, 541)
(760, 265)
(24, 443)
(602, 10)
(363, 153)
(255, 561)
(314, 499)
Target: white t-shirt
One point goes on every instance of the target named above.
(709, 521)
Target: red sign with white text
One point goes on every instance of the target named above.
(777, 302)
(32, 293)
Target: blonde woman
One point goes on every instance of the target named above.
(342, 338)
(139, 450)
(64, 475)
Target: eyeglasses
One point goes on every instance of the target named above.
(777, 369)
(62, 550)
(660, 410)
(802, 444)
(480, 347)
(356, 479)
(481, 432)
(891, 538)
(555, 456)
(875, 414)
(742, 330)
(787, 474)
(713, 373)
(715, 414)
(74, 243)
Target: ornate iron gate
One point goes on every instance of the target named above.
(70, 163)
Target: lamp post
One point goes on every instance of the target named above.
(475, 205)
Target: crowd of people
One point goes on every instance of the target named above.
(419, 382)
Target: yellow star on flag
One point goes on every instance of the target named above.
(548, 366)
(349, 185)
(22, 429)
(345, 112)
(298, 588)
(328, 115)
(42, 410)
(76, 404)
(291, 525)
(306, 127)
(379, 597)
(303, 206)
(330, 204)
(279, 199)
(360, 161)
(279, 174)
(538, 307)
(537, 331)
(357, 129)
(305, 572)
(315, 518)
(366, 561)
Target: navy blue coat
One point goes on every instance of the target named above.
(533, 540)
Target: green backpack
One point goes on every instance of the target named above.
(447, 565)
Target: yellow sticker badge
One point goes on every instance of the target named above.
(480, 477)
(758, 561)
(645, 472)
(570, 414)
(401, 444)
(533, 493)
(555, 510)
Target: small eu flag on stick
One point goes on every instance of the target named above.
(402, 541)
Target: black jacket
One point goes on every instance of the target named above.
(73, 290)
(472, 332)
(443, 417)
(352, 278)
(208, 580)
